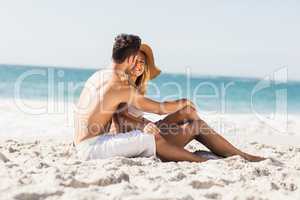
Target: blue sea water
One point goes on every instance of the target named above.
(212, 94)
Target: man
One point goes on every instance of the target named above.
(99, 99)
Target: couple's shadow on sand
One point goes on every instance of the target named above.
(211, 156)
(206, 154)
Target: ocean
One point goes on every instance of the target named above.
(212, 94)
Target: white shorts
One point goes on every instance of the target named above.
(131, 144)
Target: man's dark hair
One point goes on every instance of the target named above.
(125, 45)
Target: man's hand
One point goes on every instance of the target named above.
(151, 128)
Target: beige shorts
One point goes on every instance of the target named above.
(131, 144)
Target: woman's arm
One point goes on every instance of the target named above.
(132, 97)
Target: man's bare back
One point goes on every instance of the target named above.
(97, 103)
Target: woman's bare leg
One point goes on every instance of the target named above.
(176, 128)
(169, 152)
(199, 130)
(219, 145)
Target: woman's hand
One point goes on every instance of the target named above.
(151, 128)
(186, 102)
(179, 104)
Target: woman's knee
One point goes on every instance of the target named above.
(189, 112)
(159, 140)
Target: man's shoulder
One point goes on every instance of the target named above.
(100, 77)
(101, 74)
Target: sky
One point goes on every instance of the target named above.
(230, 38)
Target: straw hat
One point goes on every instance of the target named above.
(154, 70)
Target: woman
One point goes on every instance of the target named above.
(128, 117)
(178, 128)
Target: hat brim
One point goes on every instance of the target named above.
(154, 70)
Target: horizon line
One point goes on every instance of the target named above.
(197, 75)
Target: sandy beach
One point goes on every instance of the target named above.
(70, 68)
(75, 72)
(37, 161)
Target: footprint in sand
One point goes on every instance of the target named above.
(3, 158)
(180, 176)
(101, 181)
(11, 149)
(37, 196)
(213, 196)
(204, 184)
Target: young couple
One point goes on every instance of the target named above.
(109, 115)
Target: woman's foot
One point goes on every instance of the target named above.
(253, 158)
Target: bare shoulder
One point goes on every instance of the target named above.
(91, 89)
(99, 78)
(123, 92)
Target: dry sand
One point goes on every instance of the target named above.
(44, 166)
